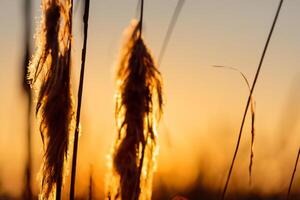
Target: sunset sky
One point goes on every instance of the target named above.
(203, 105)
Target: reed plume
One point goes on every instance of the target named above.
(138, 109)
(50, 74)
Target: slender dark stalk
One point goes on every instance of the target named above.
(293, 175)
(171, 26)
(27, 193)
(91, 184)
(249, 97)
(80, 91)
(141, 17)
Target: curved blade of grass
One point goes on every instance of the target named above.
(249, 98)
(252, 116)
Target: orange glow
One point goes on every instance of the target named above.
(203, 105)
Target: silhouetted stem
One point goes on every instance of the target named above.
(141, 17)
(27, 21)
(80, 90)
(249, 98)
(293, 175)
(170, 30)
(91, 185)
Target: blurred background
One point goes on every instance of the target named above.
(203, 105)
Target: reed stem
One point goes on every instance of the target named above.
(27, 21)
(171, 26)
(249, 98)
(293, 175)
(80, 91)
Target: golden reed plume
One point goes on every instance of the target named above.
(50, 74)
(138, 108)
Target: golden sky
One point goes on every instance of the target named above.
(203, 105)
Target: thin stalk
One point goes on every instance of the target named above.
(249, 98)
(141, 17)
(27, 19)
(171, 26)
(80, 91)
(91, 184)
(293, 175)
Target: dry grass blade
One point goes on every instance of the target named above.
(170, 30)
(252, 117)
(50, 72)
(80, 91)
(293, 175)
(249, 98)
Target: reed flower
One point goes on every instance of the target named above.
(138, 109)
(49, 73)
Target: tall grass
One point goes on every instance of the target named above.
(27, 191)
(50, 74)
(249, 98)
(80, 91)
(139, 105)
